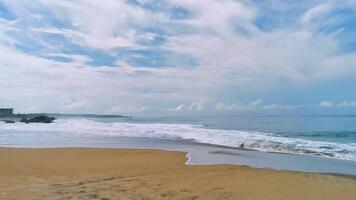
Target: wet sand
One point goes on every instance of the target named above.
(151, 174)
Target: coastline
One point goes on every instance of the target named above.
(111, 173)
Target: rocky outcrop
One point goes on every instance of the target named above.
(38, 119)
(8, 121)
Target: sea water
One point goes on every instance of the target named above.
(304, 143)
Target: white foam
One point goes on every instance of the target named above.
(260, 141)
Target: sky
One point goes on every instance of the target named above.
(178, 57)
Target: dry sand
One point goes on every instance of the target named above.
(104, 174)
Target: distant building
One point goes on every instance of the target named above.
(6, 111)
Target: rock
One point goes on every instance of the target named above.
(328, 154)
(24, 119)
(38, 119)
(9, 121)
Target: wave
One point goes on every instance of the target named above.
(261, 141)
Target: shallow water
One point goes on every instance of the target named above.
(319, 144)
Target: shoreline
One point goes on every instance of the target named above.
(118, 173)
(208, 135)
(198, 153)
(187, 157)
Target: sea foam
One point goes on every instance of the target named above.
(261, 141)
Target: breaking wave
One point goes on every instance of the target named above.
(261, 141)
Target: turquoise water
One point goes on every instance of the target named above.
(326, 136)
(340, 129)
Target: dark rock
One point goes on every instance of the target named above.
(24, 119)
(328, 154)
(9, 121)
(38, 119)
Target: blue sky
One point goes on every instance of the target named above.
(174, 57)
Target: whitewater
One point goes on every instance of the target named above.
(251, 140)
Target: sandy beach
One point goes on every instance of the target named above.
(150, 174)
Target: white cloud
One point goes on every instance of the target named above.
(326, 104)
(193, 107)
(231, 53)
(239, 106)
(109, 27)
(329, 104)
(316, 12)
(281, 107)
(180, 108)
(216, 16)
(223, 107)
(256, 103)
(347, 104)
(281, 53)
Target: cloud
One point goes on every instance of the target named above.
(281, 107)
(193, 107)
(316, 12)
(223, 107)
(158, 55)
(326, 104)
(254, 105)
(329, 104)
(347, 104)
(238, 106)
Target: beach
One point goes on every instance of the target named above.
(98, 173)
(183, 100)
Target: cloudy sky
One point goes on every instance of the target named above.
(178, 57)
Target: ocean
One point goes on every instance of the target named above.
(302, 143)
